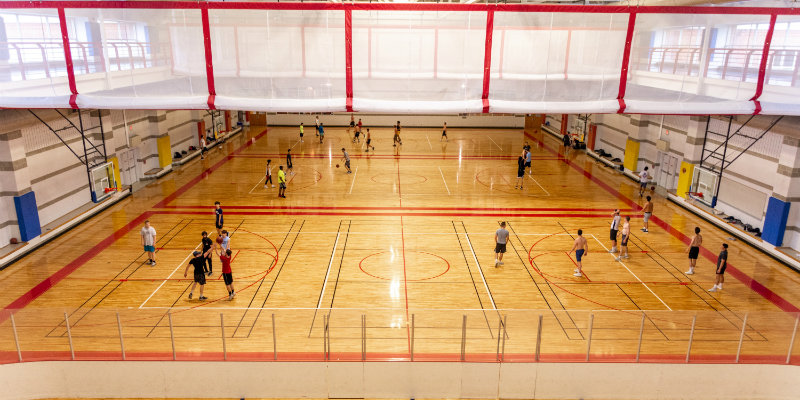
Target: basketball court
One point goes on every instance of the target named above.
(395, 261)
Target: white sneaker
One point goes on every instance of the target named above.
(575, 271)
(618, 258)
(690, 272)
(713, 289)
(578, 274)
(273, 185)
(719, 287)
(626, 256)
(496, 263)
(613, 250)
(501, 263)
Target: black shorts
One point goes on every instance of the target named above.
(347, 164)
(500, 248)
(613, 235)
(200, 278)
(283, 185)
(228, 278)
(527, 163)
(625, 239)
(694, 252)
(357, 133)
(722, 270)
(301, 134)
(369, 140)
(352, 123)
(289, 166)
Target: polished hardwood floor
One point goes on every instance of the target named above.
(346, 261)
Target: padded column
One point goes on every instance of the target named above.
(27, 216)
(775, 221)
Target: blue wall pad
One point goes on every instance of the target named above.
(27, 216)
(775, 221)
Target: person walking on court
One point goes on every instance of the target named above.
(567, 142)
(321, 132)
(444, 132)
(648, 212)
(626, 233)
(359, 125)
(316, 121)
(346, 159)
(289, 167)
(722, 264)
(352, 124)
(357, 134)
(268, 179)
(644, 177)
(614, 229)
(369, 141)
(281, 182)
(199, 274)
(694, 250)
(208, 249)
(148, 234)
(301, 132)
(500, 239)
(520, 172)
(581, 249)
(396, 139)
(227, 273)
(218, 217)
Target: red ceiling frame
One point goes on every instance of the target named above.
(762, 69)
(348, 56)
(487, 60)
(348, 8)
(212, 91)
(626, 58)
(73, 88)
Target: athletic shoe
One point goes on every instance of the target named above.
(190, 295)
(578, 274)
(273, 185)
(202, 298)
(613, 250)
(501, 263)
(626, 256)
(153, 263)
(230, 296)
(575, 271)
(689, 272)
(713, 289)
(496, 262)
(645, 231)
(618, 258)
(233, 294)
(209, 273)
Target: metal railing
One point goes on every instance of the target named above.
(206, 333)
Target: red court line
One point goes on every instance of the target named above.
(10, 357)
(227, 207)
(747, 280)
(395, 214)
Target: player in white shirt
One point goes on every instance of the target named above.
(148, 234)
(644, 177)
(614, 229)
(268, 179)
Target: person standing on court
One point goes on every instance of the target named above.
(148, 234)
(199, 274)
(281, 182)
(316, 121)
(301, 132)
(581, 249)
(369, 142)
(644, 177)
(694, 250)
(722, 264)
(623, 245)
(648, 212)
(520, 172)
(321, 132)
(528, 158)
(444, 132)
(203, 149)
(567, 142)
(268, 179)
(346, 159)
(289, 167)
(500, 239)
(614, 230)
(227, 273)
(208, 246)
(218, 217)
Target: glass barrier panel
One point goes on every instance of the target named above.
(438, 334)
(767, 337)
(666, 336)
(521, 328)
(8, 347)
(564, 335)
(716, 336)
(42, 334)
(615, 336)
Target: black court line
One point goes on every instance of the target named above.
(339, 272)
(474, 284)
(325, 278)
(277, 275)
(113, 280)
(260, 284)
(549, 286)
(645, 314)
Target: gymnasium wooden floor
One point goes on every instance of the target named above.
(408, 235)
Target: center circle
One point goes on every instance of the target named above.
(389, 178)
(379, 265)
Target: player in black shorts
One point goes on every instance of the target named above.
(722, 264)
(694, 250)
(199, 274)
(208, 244)
(357, 135)
(444, 132)
(218, 217)
(289, 161)
(369, 140)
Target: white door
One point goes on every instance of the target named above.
(667, 170)
(127, 167)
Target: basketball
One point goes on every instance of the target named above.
(219, 239)
(337, 165)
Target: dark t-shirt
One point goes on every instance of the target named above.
(199, 265)
(207, 243)
(288, 159)
(723, 255)
(218, 212)
(566, 140)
